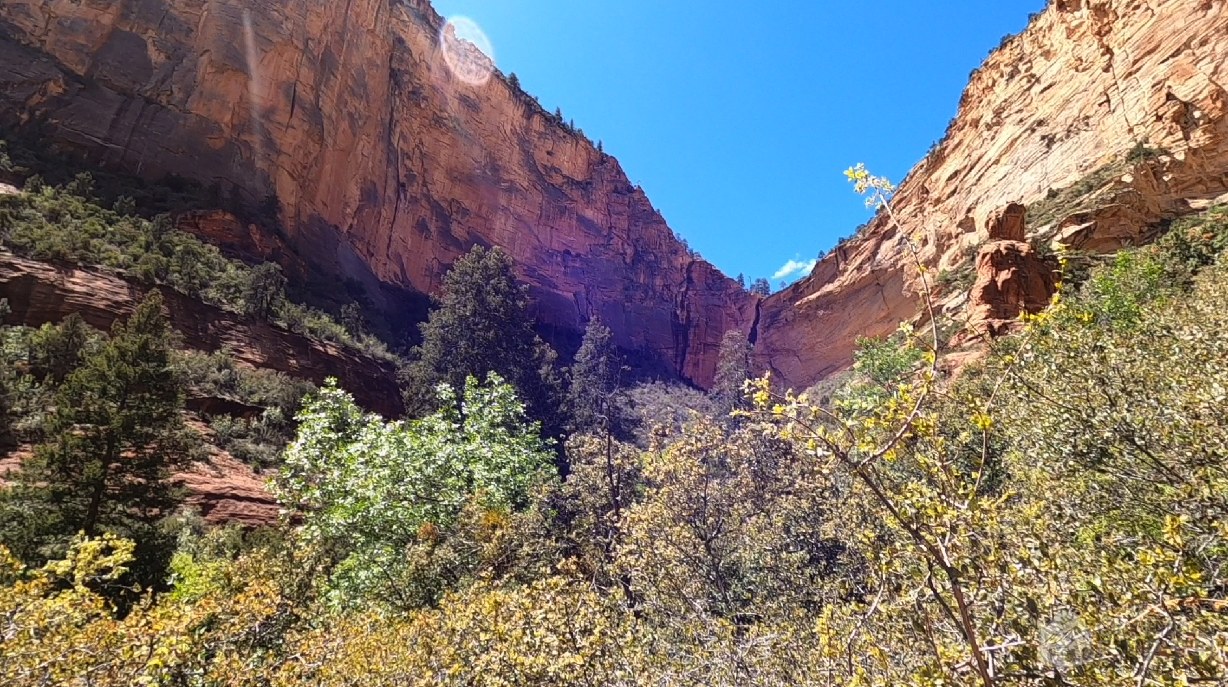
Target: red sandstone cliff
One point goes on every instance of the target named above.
(1080, 88)
(222, 489)
(386, 166)
(40, 292)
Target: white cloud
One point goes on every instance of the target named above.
(794, 268)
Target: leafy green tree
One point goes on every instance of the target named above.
(594, 380)
(761, 287)
(370, 488)
(732, 370)
(482, 324)
(114, 437)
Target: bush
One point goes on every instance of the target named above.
(662, 408)
(1141, 152)
(959, 278)
(1078, 197)
(369, 490)
(256, 441)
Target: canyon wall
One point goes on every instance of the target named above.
(1078, 90)
(385, 166)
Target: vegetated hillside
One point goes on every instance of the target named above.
(1105, 117)
(1055, 516)
(72, 267)
(343, 124)
(65, 251)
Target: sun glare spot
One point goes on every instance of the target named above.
(467, 50)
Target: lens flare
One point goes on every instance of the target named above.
(255, 86)
(467, 50)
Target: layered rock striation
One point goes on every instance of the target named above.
(385, 166)
(39, 292)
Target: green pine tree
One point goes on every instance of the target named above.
(56, 350)
(265, 291)
(115, 435)
(594, 379)
(481, 324)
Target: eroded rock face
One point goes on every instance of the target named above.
(234, 236)
(225, 491)
(39, 292)
(1079, 89)
(222, 489)
(386, 166)
(1010, 279)
(1008, 224)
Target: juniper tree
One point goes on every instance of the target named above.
(57, 350)
(264, 291)
(482, 324)
(114, 437)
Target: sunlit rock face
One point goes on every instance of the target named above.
(1082, 86)
(389, 152)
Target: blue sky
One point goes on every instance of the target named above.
(738, 119)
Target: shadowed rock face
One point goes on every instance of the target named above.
(386, 166)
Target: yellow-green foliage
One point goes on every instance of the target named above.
(1057, 516)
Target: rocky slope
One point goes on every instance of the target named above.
(1062, 105)
(40, 292)
(386, 165)
(223, 490)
